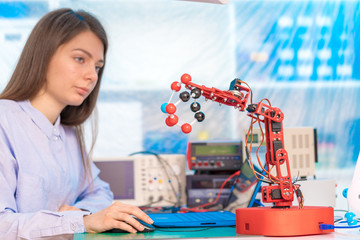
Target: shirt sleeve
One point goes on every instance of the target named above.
(14, 225)
(40, 224)
(96, 195)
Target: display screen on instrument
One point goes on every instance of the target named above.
(216, 150)
(255, 138)
(210, 184)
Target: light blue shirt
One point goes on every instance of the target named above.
(41, 170)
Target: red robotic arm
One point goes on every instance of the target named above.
(282, 193)
(280, 190)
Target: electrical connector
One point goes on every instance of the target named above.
(326, 226)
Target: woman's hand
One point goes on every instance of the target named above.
(117, 215)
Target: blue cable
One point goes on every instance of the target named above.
(329, 226)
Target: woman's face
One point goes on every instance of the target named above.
(73, 70)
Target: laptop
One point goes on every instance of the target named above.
(194, 219)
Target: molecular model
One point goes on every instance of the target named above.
(236, 97)
(170, 108)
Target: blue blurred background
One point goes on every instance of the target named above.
(302, 55)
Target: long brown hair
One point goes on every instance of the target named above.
(54, 29)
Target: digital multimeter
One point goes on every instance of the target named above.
(214, 155)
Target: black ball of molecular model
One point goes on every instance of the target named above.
(170, 108)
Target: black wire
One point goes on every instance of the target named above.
(297, 178)
(338, 220)
(151, 203)
(231, 192)
(340, 210)
(248, 160)
(178, 196)
(261, 179)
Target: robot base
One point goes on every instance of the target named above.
(283, 221)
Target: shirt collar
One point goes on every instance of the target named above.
(41, 121)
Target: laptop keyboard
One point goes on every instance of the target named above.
(193, 219)
(201, 216)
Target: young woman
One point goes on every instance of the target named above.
(48, 185)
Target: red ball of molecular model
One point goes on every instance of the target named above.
(170, 108)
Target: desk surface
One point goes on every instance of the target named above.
(166, 233)
(228, 233)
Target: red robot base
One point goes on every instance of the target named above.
(281, 222)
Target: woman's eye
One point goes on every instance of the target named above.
(79, 59)
(97, 68)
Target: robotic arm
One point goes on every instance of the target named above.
(280, 191)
